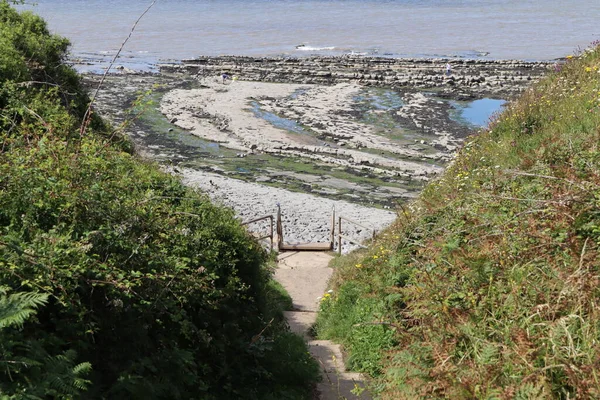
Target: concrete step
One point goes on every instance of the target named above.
(305, 276)
(337, 383)
(301, 322)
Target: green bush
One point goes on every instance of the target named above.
(34, 374)
(32, 69)
(162, 292)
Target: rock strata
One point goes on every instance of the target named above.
(468, 78)
(220, 113)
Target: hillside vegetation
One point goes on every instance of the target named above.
(487, 286)
(115, 280)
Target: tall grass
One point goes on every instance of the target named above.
(487, 285)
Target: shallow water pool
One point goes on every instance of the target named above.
(477, 113)
(276, 120)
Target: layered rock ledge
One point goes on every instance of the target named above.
(470, 78)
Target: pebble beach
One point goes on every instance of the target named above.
(305, 218)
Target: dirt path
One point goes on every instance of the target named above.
(304, 275)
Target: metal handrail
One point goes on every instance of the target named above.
(340, 236)
(270, 235)
(316, 246)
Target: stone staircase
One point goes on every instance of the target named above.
(304, 275)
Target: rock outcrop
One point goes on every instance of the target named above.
(468, 78)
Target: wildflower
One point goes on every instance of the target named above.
(359, 266)
(375, 257)
(588, 69)
(569, 57)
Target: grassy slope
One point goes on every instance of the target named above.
(487, 285)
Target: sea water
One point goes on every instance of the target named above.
(179, 29)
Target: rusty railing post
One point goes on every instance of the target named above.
(332, 236)
(340, 234)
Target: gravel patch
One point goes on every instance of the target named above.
(305, 218)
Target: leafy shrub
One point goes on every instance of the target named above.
(32, 372)
(32, 68)
(162, 292)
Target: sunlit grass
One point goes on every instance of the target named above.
(487, 285)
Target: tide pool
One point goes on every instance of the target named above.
(477, 113)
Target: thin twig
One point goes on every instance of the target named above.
(545, 201)
(30, 111)
(87, 114)
(186, 214)
(29, 83)
(257, 336)
(521, 173)
(582, 254)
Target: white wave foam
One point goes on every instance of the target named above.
(303, 47)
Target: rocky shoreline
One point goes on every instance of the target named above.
(468, 78)
(338, 131)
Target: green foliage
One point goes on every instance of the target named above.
(355, 320)
(490, 279)
(31, 373)
(163, 293)
(38, 91)
(16, 308)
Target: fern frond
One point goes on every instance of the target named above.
(17, 307)
(82, 368)
(63, 376)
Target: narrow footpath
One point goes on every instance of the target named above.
(304, 275)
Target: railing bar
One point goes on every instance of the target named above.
(356, 223)
(258, 219)
(261, 237)
(271, 227)
(340, 235)
(354, 242)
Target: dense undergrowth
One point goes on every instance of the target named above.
(143, 288)
(487, 286)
